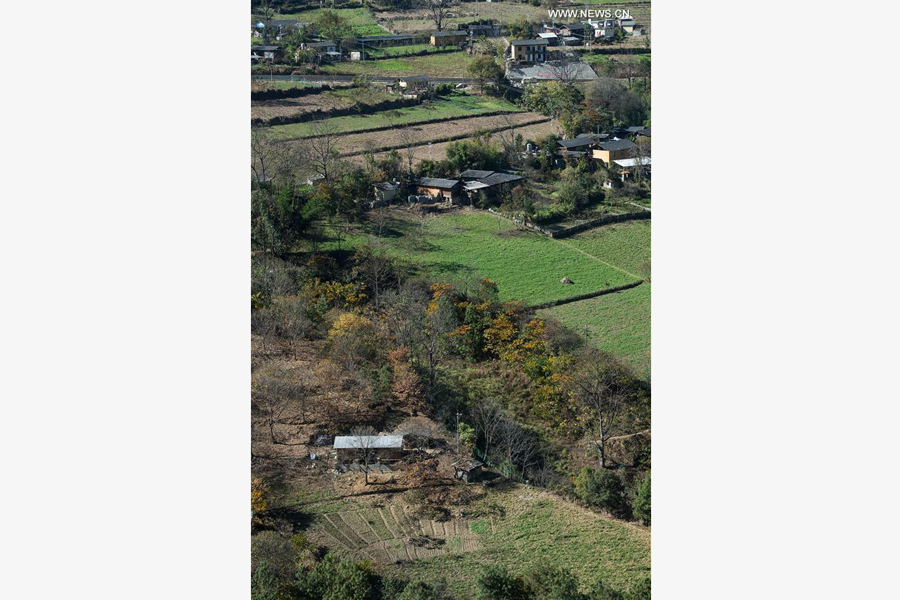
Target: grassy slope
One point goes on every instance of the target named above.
(625, 245)
(450, 64)
(456, 105)
(540, 529)
(527, 266)
(618, 323)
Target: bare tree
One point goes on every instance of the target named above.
(272, 161)
(407, 137)
(320, 149)
(487, 417)
(601, 389)
(376, 267)
(518, 444)
(364, 440)
(507, 137)
(439, 10)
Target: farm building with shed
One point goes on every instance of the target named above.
(446, 189)
(382, 447)
(613, 149)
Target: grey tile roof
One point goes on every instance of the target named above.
(499, 178)
(436, 182)
(577, 142)
(617, 145)
(475, 174)
(540, 42)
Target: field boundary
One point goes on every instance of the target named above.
(589, 295)
(297, 92)
(348, 111)
(494, 113)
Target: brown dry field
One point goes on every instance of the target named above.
(268, 109)
(439, 151)
(363, 141)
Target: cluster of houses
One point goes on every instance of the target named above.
(471, 185)
(616, 148)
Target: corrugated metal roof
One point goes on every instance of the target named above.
(350, 442)
(631, 162)
(617, 145)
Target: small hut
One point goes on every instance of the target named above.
(466, 470)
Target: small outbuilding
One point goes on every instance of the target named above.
(381, 447)
(466, 470)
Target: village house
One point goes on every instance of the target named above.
(552, 38)
(605, 28)
(532, 51)
(386, 192)
(573, 30)
(613, 149)
(629, 166)
(380, 447)
(487, 184)
(322, 47)
(481, 29)
(519, 75)
(448, 38)
(448, 190)
(267, 53)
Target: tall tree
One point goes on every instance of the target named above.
(601, 388)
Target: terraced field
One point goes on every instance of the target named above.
(447, 107)
(386, 535)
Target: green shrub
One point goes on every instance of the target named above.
(336, 579)
(642, 501)
(600, 591)
(495, 583)
(553, 583)
(602, 489)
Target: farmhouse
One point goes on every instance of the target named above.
(552, 38)
(613, 149)
(446, 189)
(270, 53)
(386, 192)
(605, 28)
(322, 47)
(381, 447)
(448, 38)
(532, 51)
(487, 183)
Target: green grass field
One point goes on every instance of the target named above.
(452, 106)
(354, 16)
(527, 266)
(625, 245)
(618, 323)
(449, 64)
(536, 529)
